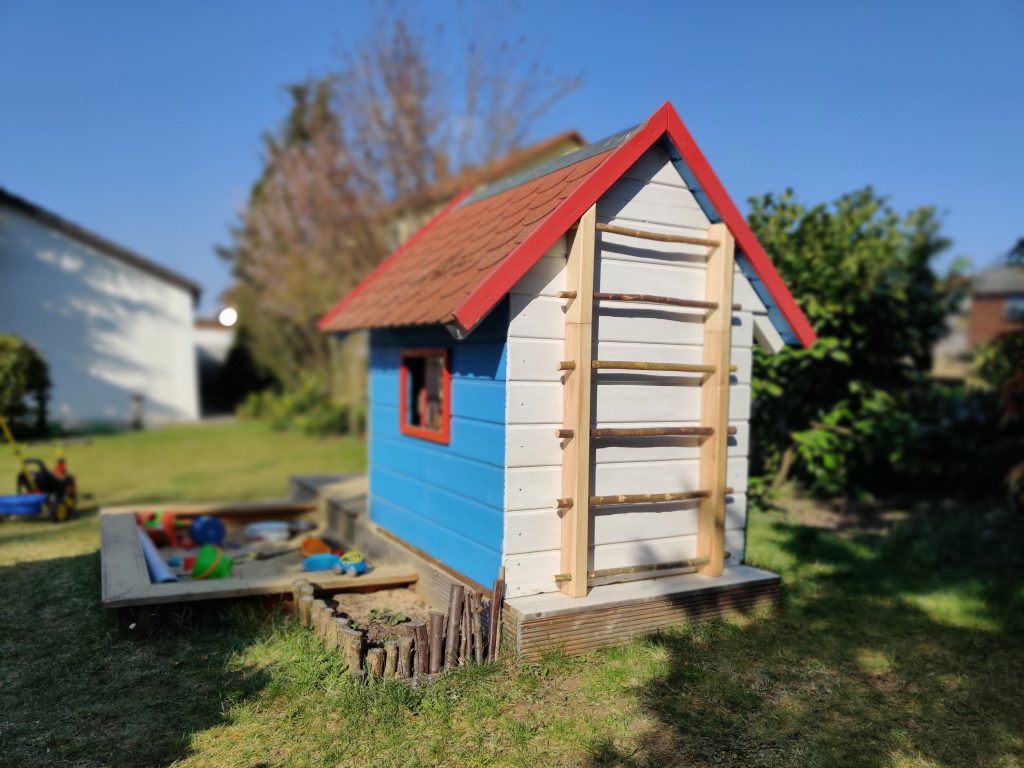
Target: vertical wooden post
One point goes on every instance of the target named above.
(451, 646)
(714, 402)
(579, 277)
(436, 642)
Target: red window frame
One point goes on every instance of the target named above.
(438, 436)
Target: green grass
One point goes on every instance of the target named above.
(898, 649)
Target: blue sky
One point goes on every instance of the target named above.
(142, 120)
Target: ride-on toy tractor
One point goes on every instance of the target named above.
(40, 490)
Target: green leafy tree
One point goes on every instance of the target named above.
(24, 385)
(841, 414)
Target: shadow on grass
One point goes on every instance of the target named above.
(74, 690)
(886, 650)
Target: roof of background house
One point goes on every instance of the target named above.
(1000, 279)
(459, 264)
(96, 241)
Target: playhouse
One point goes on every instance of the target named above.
(559, 385)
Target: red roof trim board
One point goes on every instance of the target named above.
(737, 225)
(663, 123)
(323, 323)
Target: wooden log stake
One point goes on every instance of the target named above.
(352, 643)
(390, 657)
(478, 630)
(464, 634)
(317, 615)
(436, 642)
(421, 656)
(297, 587)
(359, 676)
(305, 609)
(404, 657)
(493, 623)
(501, 608)
(451, 649)
(375, 663)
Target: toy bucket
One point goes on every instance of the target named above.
(211, 563)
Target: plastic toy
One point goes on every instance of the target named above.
(322, 561)
(206, 529)
(314, 545)
(351, 562)
(268, 530)
(211, 563)
(52, 493)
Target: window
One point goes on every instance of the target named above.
(424, 384)
(1013, 309)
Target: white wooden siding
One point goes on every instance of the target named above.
(651, 196)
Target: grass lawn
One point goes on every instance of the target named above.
(898, 648)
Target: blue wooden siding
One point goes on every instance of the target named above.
(445, 499)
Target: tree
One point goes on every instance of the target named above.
(24, 385)
(840, 413)
(357, 149)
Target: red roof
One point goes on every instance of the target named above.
(466, 258)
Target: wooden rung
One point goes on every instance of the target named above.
(646, 498)
(653, 432)
(563, 503)
(631, 365)
(566, 365)
(644, 235)
(567, 294)
(565, 434)
(649, 299)
(692, 562)
(732, 431)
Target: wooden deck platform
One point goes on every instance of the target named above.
(609, 614)
(615, 613)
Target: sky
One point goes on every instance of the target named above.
(142, 121)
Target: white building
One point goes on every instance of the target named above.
(113, 326)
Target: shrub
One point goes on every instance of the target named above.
(307, 407)
(24, 385)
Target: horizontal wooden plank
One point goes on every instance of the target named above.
(538, 487)
(536, 530)
(616, 402)
(543, 317)
(655, 167)
(545, 278)
(534, 445)
(656, 204)
(532, 573)
(537, 359)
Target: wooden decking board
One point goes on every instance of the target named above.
(640, 606)
(553, 603)
(642, 613)
(590, 628)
